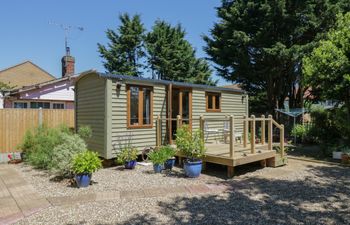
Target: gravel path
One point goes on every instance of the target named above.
(110, 179)
(300, 193)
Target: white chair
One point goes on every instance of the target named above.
(208, 131)
(238, 135)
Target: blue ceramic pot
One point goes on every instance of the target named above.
(158, 168)
(193, 168)
(169, 163)
(83, 180)
(130, 164)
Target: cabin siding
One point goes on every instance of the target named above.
(231, 104)
(141, 137)
(90, 110)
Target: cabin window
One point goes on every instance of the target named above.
(213, 102)
(139, 106)
(58, 105)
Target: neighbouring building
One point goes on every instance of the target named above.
(33, 87)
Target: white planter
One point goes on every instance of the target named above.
(337, 155)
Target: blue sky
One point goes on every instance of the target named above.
(27, 35)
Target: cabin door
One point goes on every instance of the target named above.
(181, 104)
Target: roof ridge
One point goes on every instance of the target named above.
(28, 61)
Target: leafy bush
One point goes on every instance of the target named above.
(86, 162)
(85, 132)
(126, 154)
(160, 155)
(190, 144)
(39, 145)
(62, 154)
(299, 130)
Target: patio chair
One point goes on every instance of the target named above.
(208, 131)
(238, 135)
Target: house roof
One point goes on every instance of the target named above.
(24, 74)
(40, 85)
(155, 81)
(234, 86)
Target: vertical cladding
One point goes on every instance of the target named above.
(90, 110)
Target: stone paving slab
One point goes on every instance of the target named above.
(17, 198)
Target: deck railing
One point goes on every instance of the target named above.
(248, 123)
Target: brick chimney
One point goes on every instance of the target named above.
(68, 62)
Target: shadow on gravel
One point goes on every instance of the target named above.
(321, 198)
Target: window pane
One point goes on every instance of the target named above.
(134, 105)
(217, 102)
(210, 101)
(20, 105)
(146, 106)
(58, 105)
(185, 105)
(37, 105)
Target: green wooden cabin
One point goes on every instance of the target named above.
(115, 106)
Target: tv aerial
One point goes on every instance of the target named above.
(67, 29)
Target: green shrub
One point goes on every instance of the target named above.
(157, 156)
(126, 154)
(62, 155)
(39, 145)
(191, 144)
(86, 162)
(85, 132)
(168, 151)
(299, 130)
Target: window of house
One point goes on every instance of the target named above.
(58, 105)
(213, 102)
(139, 106)
(37, 105)
(20, 105)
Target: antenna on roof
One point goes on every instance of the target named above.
(66, 28)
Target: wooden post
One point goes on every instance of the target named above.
(282, 140)
(230, 171)
(232, 136)
(178, 121)
(269, 133)
(252, 136)
(201, 126)
(245, 131)
(263, 136)
(40, 117)
(158, 131)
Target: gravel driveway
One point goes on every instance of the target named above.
(300, 193)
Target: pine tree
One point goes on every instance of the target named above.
(260, 44)
(171, 57)
(124, 52)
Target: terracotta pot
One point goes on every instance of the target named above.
(345, 158)
(14, 161)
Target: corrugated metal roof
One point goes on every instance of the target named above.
(166, 82)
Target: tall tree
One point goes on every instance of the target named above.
(171, 56)
(327, 69)
(260, 44)
(124, 52)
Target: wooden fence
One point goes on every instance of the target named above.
(15, 122)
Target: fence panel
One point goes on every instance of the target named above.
(15, 122)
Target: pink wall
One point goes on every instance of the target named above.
(61, 92)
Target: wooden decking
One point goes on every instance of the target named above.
(219, 153)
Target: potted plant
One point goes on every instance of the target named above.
(192, 146)
(170, 153)
(13, 159)
(84, 164)
(158, 158)
(345, 157)
(127, 156)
